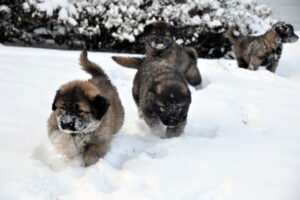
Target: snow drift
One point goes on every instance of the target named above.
(241, 140)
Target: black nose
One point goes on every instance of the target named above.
(170, 121)
(67, 126)
(160, 40)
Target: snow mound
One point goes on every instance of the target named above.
(241, 140)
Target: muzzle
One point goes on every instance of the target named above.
(291, 39)
(160, 43)
(69, 123)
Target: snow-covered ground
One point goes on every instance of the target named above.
(242, 141)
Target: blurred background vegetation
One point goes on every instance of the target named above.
(117, 25)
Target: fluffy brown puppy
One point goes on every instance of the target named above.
(162, 95)
(85, 115)
(160, 43)
(264, 50)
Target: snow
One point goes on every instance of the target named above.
(241, 140)
(50, 5)
(4, 8)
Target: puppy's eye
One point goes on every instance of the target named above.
(181, 105)
(84, 112)
(161, 108)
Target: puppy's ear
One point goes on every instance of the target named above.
(99, 106)
(192, 53)
(147, 29)
(55, 100)
(279, 27)
(290, 27)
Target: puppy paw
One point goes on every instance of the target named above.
(92, 153)
(90, 156)
(89, 159)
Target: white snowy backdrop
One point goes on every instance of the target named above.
(241, 142)
(285, 10)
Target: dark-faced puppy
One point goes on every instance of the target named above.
(161, 93)
(78, 107)
(171, 101)
(285, 32)
(160, 43)
(85, 115)
(264, 50)
(158, 37)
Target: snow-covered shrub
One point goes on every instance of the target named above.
(117, 25)
(8, 19)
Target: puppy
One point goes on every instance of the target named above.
(264, 50)
(85, 115)
(159, 43)
(162, 95)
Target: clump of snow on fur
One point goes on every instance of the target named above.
(82, 126)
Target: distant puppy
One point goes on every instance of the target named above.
(161, 94)
(265, 50)
(85, 115)
(159, 43)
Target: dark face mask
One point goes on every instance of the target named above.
(171, 114)
(286, 33)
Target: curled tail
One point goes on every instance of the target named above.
(230, 34)
(90, 67)
(129, 62)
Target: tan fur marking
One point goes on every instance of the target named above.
(84, 107)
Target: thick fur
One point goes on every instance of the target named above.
(184, 58)
(93, 101)
(264, 50)
(161, 93)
